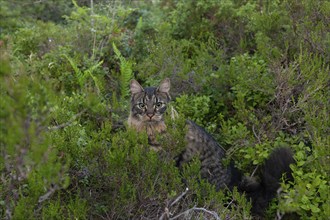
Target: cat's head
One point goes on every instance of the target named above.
(149, 104)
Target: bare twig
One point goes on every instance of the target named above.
(229, 204)
(255, 134)
(165, 215)
(174, 113)
(254, 171)
(214, 214)
(67, 123)
(179, 197)
(47, 194)
(279, 215)
(167, 212)
(31, 3)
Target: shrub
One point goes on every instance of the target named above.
(254, 74)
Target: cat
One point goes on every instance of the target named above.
(148, 107)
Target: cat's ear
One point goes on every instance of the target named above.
(135, 87)
(164, 86)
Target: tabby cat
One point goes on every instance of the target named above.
(148, 106)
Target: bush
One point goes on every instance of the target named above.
(254, 74)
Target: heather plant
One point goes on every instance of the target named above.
(255, 75)
(31, 170)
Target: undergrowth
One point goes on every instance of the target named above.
(254, 74)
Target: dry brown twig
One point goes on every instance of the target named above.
(179, 197)
(67, 123)
(214, 214)
(167, 213)
(47, 194)
(279, 215)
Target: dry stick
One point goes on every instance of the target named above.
(258, 138)
(214, 214)
(67, 123)
(174, 113)
(93, 29)
(229, 204)
(279, 215)
(167, 211)
(165, 214)
(255, 134)
(255, 169)
(179, 197)
(47, 194)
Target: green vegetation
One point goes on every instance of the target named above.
(255, 74)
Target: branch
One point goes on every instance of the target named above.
(214, 214)
(47, 194)
(67, 123)
(255, 134)
(179, 197)
(167, 212)
(279, 215)
(254, 171)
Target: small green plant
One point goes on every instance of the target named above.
(195, 108)
(126, 73)
(308, 194)
(82, 76)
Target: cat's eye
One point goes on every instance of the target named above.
(141, 105)
(159, 104)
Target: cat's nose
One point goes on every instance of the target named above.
(150, 115)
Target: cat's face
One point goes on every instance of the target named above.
(148, 105)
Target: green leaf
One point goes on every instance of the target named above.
(126, 73)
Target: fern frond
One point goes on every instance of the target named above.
(126, 73)
(83, 76)
(97, 82)
(139, 24)
(77, 71)
(72, 63)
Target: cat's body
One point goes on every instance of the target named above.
(148, 106)
(210, 154)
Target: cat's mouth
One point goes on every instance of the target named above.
(153, 119)
(150, 120)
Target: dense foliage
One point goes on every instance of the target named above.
(255, 74)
